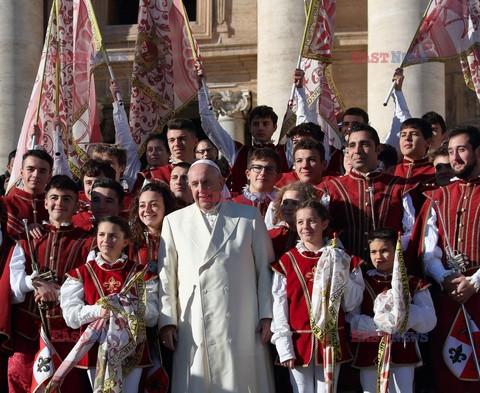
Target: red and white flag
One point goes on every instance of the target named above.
(449, 31)
(45, 364)
(163, 78)
(322, 96)
(73, 43)
(457, 350)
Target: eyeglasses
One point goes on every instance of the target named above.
(270, 170)
(207, 150)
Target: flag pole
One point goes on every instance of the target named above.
(49, 35)
(387, 98)
(195, 55)
(58, 127)
(299, 61)
(99, 44)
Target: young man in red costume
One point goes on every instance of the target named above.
(61, 248)
(457, 204)
(262, 173)
(350, 197)
(26, 203)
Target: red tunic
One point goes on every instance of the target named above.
(100, 281)
(459, 204)
(283, 240)
(238, 178)
(418, 175)
(367, 348)
(299, 271)
(145, 254)
(161, 173)
(58, 250)
(351, 207)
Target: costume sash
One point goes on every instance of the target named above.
(329, 284)
(391, 310)
(121, 338)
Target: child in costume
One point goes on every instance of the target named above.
(95, 282)
(300, 276)
(367, 324)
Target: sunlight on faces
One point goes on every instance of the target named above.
(206, 151)
(179, 184)
(156, 153)
(35, 173)
(382, 254)
(310, 228)
(104, 202)
(111, 241)
(61, 205)
(112, 161)
(262, 179)
(443, 170)
(262, 129)
(463, 159)
(206, 184)
(182, 145)
(362, 151)
(291, 199)
(151, 210)
(412, 143)
(309, 166)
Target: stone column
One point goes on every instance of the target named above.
(391, 27)
(21, 40)
(231, 108)
(280, 30)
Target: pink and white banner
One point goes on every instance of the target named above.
(72, 45)
(163, 77)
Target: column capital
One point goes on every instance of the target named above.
(230, 103)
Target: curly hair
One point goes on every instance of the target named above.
(306, 190)
(138, 227)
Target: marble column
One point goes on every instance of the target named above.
(280, 30)
(391, 27)
(231, 108)
(21, 39)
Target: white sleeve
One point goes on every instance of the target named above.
(74, 310)
(432, 254)
(123, 138)
(422, 316)
(408, 219)
(353, 295)
(282, 336)
(152, 311)
(303, 113)
(60, 161)
(20, 282)
(401, 113)
(220, 138)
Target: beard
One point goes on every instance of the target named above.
(466, 171)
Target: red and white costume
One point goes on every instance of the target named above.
(459, 204)
(365, 333)
(350, 205)
(90, 282)
(58, 250)
(292, 334)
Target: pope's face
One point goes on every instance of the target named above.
(206, 184)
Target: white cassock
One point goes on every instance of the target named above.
(215, 287)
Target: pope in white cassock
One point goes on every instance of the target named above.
(215, 291)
